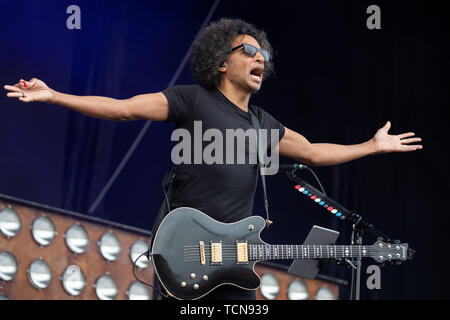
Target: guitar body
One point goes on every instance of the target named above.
(177, 253)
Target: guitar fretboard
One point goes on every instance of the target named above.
(274, 252)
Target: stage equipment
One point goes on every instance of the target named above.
(47, 253)
(402, 253)
(292, 287)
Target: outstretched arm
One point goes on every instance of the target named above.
(151, 106)
(294, 145)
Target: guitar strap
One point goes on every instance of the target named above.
(261, 166)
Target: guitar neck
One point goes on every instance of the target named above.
(276, 252)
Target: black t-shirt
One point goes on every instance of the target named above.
(225, 192)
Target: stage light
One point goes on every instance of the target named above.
(105, 287)
(138, 291)
(269, 286)
(76, 238)
(297, 290)
(8, 266)
(10, 223)
(324, 293)
(39, 274)
(139, 247)
(43, 230)
(73, 280)
(109, 246)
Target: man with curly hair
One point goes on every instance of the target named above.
(230, 59)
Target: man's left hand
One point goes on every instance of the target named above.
(385, 142)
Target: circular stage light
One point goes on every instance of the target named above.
(76, 238)
(73, 280)
(43, 230)
(138, 291)
(8, 266)
(109, 246)
(297, 290)
(39, 274)
(105, 287)
(10, 223)
(139, 247)
(269, 286)
(324, 293)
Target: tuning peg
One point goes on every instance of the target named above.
(396, 241)
(380, 239)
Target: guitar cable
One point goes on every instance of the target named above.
(147, 254)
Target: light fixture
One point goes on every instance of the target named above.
(109, 246)
(10, 223)
(8, 266)
(269, 286)
(76, 238)
(137, 291)
(73, 280)
(324, 293)
(39, 274)
(105, 287)
(139, 247)
(43, 230)
(297, 290)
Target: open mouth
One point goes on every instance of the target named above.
(256, 73)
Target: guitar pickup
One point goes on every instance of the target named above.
(242, 252)
(216, 253)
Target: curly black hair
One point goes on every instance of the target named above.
(211, 48)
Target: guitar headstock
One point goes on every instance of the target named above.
(391, 252)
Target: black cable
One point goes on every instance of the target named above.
(317, 179)
(147, 254)
(167, 199)
(292, 176)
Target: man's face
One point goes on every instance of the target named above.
(242, 70)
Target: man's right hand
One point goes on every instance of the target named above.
(29, 91)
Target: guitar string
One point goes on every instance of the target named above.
(311, 256)
(286, 251)
(234, 259)
(197, 254)
(282, 254)
(197, 247)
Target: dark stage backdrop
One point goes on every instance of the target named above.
(337, 81)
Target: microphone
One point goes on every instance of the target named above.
(289, 167)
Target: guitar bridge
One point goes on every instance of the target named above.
(216, 253)
(202, 253)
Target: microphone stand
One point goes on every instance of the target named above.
(358, 227)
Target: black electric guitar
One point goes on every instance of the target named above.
(193, 253)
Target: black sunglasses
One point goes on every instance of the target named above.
(251, 51)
